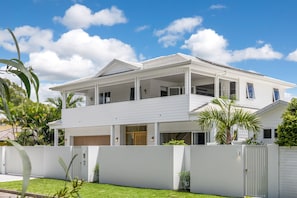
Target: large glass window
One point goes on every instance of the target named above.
(166, 137)
(104, 98)
(250, 93)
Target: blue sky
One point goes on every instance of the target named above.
(65, 40)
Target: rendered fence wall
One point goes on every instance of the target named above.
(2, 159)
(217, 170)
(273, 174)
(141, 166)
(288, 172)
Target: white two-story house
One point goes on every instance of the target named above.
(152, 102)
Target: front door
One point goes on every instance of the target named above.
(136, 135)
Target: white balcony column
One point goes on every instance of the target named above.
(112, 135)
(56, 137)
(137, 89)
(156, 133)
(67, 140)
(64, 96)
(96, 97)
(217, 86)
(188, 83)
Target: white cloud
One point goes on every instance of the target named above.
(292, 56)
(217, 7)
(29, 38)
(142, 28)
(175, 31)
(80, 16)
(212, 46)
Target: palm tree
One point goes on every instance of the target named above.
(225, 117)
(16, 67)
(71, 101)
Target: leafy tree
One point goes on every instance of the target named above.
(225, 117)
(33, 117)
(71, 101)
(16, 67)
(287, 130)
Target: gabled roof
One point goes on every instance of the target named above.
(118, 66)
(272, 106)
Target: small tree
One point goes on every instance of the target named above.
(225, 117)
(287, 130)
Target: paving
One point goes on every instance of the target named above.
(7, 178)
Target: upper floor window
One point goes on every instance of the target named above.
(250, 93)
(104, 98)
(275, 95)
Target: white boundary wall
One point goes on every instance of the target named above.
(142, 166)
(217, 170)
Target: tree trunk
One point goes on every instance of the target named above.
(228, 139)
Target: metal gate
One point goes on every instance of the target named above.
(256, 171)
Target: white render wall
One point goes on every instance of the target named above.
(142, 166)
(217, 170)
(2, 159)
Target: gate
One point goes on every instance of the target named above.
(256, 171)
(77, 163)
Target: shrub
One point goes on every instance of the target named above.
(175, 142)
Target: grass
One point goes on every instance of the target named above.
(91, 190)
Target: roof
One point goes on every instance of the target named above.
(210, 105)
(274, 105)
(117, 67)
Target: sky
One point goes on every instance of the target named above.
(64, 40)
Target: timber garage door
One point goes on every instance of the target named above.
(91, 140)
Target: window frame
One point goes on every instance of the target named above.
(250, 91)
(275, 94)
(265, 135)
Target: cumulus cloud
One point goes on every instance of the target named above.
(75, 54)
(142, 28)
(176, 30)
(292, 56)
(80, 16)
(210, 45)
(29, 38)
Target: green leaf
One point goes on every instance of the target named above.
(26, 165)
(16, 43)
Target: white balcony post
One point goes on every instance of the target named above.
(217, 87)
(156, 133)
(96, 97)
(64, 95)
(188, 82)
(56, 137)
(112, 135)
(137, 89)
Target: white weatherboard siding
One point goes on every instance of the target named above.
(288, 172)
(173, 108)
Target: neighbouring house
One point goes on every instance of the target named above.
(152, 102)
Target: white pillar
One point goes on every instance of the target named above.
(96, 97)
(3, 162)
(188, 83)
(137, 89)
(64, 95)
(217, 87)
(112, 135)
(156, 133)
(67, 140)
(56, 137)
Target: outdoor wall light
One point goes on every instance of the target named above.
(153, 138)
(117, 139)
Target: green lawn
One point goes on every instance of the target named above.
(50, 186)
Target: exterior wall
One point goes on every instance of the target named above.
(270, 120)
(262, 90)
(288, 172)
(2, 159)
(132, 166)
(217, 170)
(173, 108)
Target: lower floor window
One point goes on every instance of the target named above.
(267, 133)
(190, 138)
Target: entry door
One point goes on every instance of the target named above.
(136, 138)
(256, 175)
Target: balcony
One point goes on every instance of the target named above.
(161, 109)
